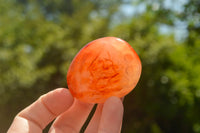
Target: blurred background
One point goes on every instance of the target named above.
(39, 38)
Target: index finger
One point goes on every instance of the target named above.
(36, 117)
(111, 116)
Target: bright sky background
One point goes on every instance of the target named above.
(180, 28)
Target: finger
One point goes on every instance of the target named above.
(73, 119)
(36, 117)
(122, 99)
(94, 123)
(111, 117)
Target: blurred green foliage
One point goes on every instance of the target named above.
(38, 40)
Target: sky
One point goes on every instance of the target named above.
(180, 27)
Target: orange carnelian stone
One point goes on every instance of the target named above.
(103, 68)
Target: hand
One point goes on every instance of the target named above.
(69, 114)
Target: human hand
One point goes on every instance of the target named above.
(69, 114)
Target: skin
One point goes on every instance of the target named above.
(69, 115)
